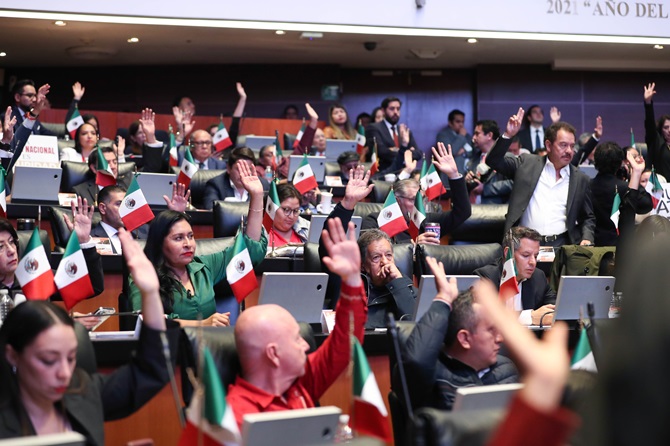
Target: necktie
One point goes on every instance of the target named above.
(395, 136)
(201, 166)
(538, 144)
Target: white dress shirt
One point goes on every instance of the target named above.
(113, 235)
(547, 209)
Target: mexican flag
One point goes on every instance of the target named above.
(390, 219)
(240, 271)
(431, 183)
(360, 138)
(369, 415)
(509, 287)
(174, 157)
(418, 216)
(654, 188)
(74, 122)
(188, 169)
(104, 176)
(303, 178)
(374, 168)
(298, 137)
(278, 153)
(614, 215)
(271, 207)
(3, 194)
(72, 277)
(34, 272)
(209, 418)
(582, 358)
(134, 209)
(632, 138)
(221, 139)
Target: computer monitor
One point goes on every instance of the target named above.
(301, 294)
(428, 291)
(300, 427)
(575, 292)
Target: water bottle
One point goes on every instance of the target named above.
(6, 304)
(344, 433)
(268, 173)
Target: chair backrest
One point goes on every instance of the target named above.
(58, 128)
(75, 173)
(457, 259)
(289, 139)
(433, 427)
(332, 169)
(227, 216)
(221, 343)
(198, 183)
(403, 256)
(364, 209)
(85, 352)
(381, 190)
(60, 231)
(485, 225)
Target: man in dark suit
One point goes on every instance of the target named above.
(88, 189)
(25, 97)
(454, 134)
(531, 136)
(535, 298)
(201, 149)
(549, 194)
(392, 139)
(228, 185)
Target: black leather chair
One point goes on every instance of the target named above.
(221, 343)
(399, 415)
(59, 229)
(381, 190)
(227, 217)
(289, 139)
(485, 225)
(24, 238)
(332, 169)
(457, 259)
(363, 209)
(76, 173)
(433, 427)
(198, 183)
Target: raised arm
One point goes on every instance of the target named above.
(461, 208)
(252, 184)
(496, 158)
(308, 137)
(584, 151)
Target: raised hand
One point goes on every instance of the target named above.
(218, 320)
(178, 117)
(82, 216)
(649, 92)
(240, 90)
(249, 178)
(447, 290)
(514, 123)
(555, 114)
(410, 163)
(444, 161)
(428, 238)
(403, 133)
(180, 196)
(357, 187)
(120, 147)
(344, 257)
(41, 99)
(313, 116)
(598, 131)
(8, 126)
(187, 123)
(78, 91)
(636, 161)
(147, 119)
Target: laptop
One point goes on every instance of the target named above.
(155, 185)
(317, 163)
(317, 222)
(38, 185)
(300, 427)
(575, 292)
(428, 291)
(65, 439)
(305, 305)
(496, 396)
(590, 171)
(336, 147)
(258, 142)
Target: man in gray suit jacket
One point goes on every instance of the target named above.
(549, 195)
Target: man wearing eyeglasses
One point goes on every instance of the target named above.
(25, 97)
(201, 149)
(549, 194)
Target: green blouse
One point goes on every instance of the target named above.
(205, 272)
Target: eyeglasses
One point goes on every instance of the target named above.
(405, 198)
(202, 143)
(29, 95)
(290, 212)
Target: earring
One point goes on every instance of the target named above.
(14, 369)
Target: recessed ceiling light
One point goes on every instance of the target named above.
(133, 40)
(658, 47)
(3, 54)
(472, 40)
(280, 32)
(60, 23)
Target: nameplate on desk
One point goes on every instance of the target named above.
(66, 199)
(103, 245)
(332, 181)
(40, 151)
(546, 254)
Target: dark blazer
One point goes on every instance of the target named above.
(219, 188)
(379, 132)
(38, 128)
(89, 190)
(212, 163)
(526, 139)
(658, 154)
(525, 170)
(140, 233)
(535, 291)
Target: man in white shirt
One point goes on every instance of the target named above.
(549, 194)
(109, 201)
(535, 300)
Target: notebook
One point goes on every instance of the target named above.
(36, 184)
(496, 396)
(336, 147)
(300, 427)
(317, 222)
(575, 292)
(155, 185)
(281, 289)
(428, 291)
(317, 163)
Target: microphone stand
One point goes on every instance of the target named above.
(393, 330)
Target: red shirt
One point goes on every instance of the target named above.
(323, 366)
(280, 241)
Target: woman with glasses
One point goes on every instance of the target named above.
(288, 226)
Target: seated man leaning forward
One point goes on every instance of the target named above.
(453, 345)
(277, 374)
(535, 299)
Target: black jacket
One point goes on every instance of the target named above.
(535, 292)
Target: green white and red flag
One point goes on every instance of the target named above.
(417, 217)
(509, 287)
(134, 209)
(188, 169)
(3, 193)
(614, 215)
(74, 122)
(104, 176)
(72, 279)
(431, 183)
(34, 271)
(374, 158)
(303, 178)
(298, 137)
(360, 138)
(271, 207)
(221, 138)
(239, 271)
(174, 156)
(654, 188)
(390, 219)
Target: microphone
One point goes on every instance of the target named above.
(173, 382)
(393, 329)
